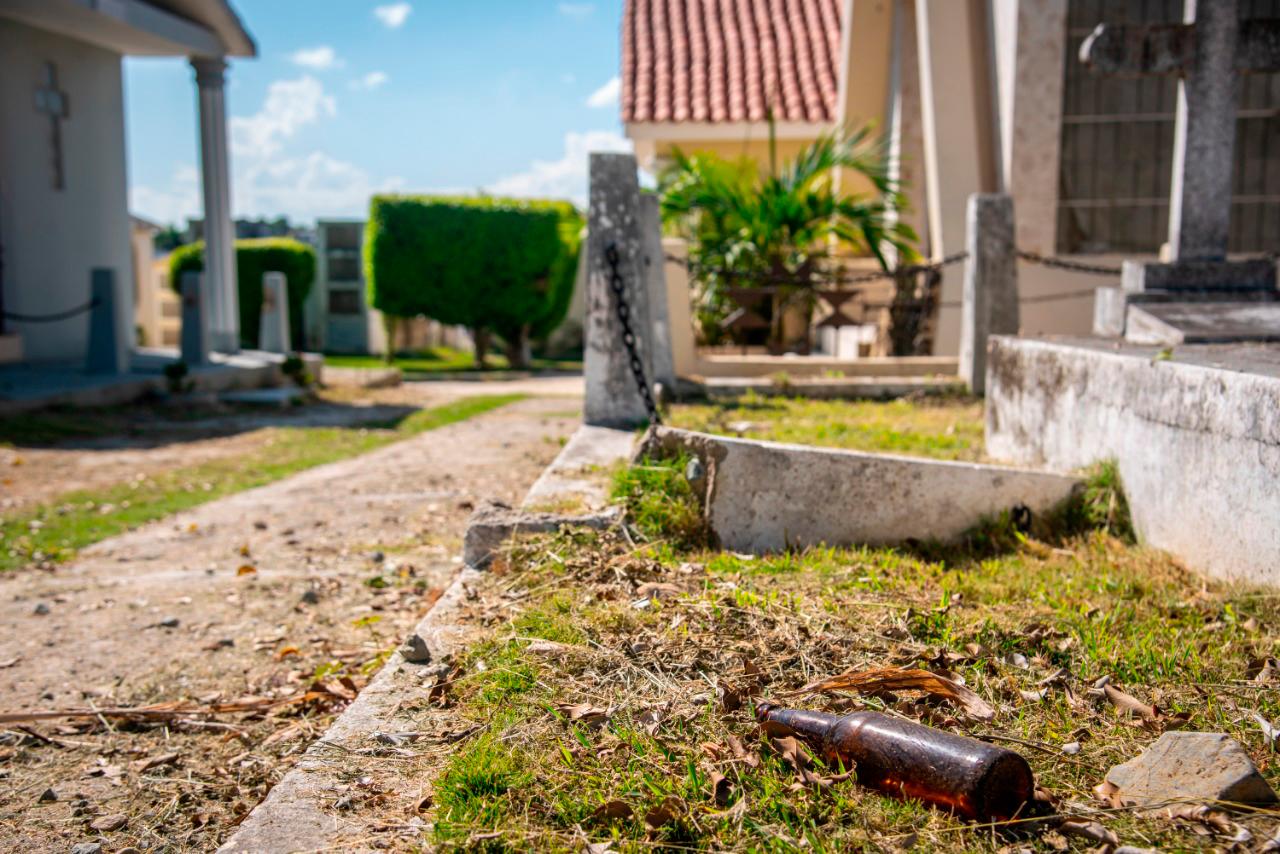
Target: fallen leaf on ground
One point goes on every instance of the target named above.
(721, 787)
(664, 813)
(1088, 830)
(10, 662)
(287, 651)
(612, 811)
(246, 569)
(156, 761)
(583, 712)
(880, 679)
(1128, 703)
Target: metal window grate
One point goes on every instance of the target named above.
(1117, 145)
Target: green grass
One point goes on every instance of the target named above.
(660, 502)
(437, 360)
(942, 427)
(1002, 614)
(55, 531)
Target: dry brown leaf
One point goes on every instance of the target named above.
(1109, 794)
(664, 813)
(880, 679)
(1263, 670)
(287, 651)
(246, 569)
(156, 761)
(721, 787)
(1088, 830)
(1127, 703)
(730, 697)
(583, 713)
(612, 811)
(740, 753)
(10, 662)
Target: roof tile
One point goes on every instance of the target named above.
(728, 60)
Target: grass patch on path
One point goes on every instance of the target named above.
(55, 531)
(446, 360)
(944, 427)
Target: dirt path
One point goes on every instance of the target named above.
(344, 559)
(146, 441)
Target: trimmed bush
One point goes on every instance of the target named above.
(492, 264)
(295, 259)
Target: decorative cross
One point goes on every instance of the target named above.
(55, 103)
(1209, 51)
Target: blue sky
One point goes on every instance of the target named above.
(351, 97)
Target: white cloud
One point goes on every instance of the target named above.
(320, 57)
(172, 204)
(576, 10)
(290, 105)
(393, 15)
(565, 178)
(370, 81)
(606, 95)
(307, 187)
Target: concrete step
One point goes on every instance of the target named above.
(876, 388)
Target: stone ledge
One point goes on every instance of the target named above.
(767, 496)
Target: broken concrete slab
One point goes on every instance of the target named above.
(491, 525)
(1191, 767)
(764, 497)
(579, 474)
(1202, 421)
(1173, 323)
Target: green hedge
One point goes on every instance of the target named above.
(490, 263)
(295, 259)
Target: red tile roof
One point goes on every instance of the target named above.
(725, 60)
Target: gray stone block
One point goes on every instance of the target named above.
(1191, 767)
(765, 497)
(1212, 276)
(492, 524)
(990, 283)
(1172, 323)
(105, 355)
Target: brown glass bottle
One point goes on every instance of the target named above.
(968, 777)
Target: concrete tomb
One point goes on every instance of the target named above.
(1208, 52)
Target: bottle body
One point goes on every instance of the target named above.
(971, 778)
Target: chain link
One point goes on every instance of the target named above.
(50, 318)
(618, 286)
(1069, 266)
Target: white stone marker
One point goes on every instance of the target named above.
(613, 221)
(662, 358)
(990, 284)
(273, 333)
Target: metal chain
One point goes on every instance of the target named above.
(1064, 264)
(50, 318)
(618, 286)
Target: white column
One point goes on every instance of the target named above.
(219, 232)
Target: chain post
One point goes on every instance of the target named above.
(623, 310)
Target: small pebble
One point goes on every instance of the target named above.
(310, 597)
(48, 796)
(40, 609)
(168, 623)
(87, 848)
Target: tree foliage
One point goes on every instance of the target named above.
(254, 257)
(492, 264)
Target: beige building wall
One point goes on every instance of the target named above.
(52, 240)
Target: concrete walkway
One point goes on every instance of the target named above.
(167, 613)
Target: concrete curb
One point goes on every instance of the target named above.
(762, 497)
(298, 813)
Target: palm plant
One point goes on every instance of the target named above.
(782, 227)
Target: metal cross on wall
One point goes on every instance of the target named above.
(55, 103)
(1209, 51)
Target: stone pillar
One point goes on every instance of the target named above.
(613, 220)
(684, 350)
(273, 330)
(664, 369)
(990, 284)
(219, 231)
(1205, 136)
(194, 339)
(957, 103)
(105, 354)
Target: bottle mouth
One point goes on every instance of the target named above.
(763, 709)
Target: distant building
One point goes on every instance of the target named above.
(248, 229)
(63, 188)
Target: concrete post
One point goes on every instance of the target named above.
(613, 219)
(273, 331)
(990, 283)
(104, 355)
(684, 350)
(194, 336)
(219, 231)
(664, 369)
